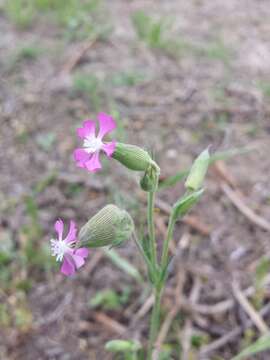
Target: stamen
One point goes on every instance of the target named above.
(59, 248)
(92, 144)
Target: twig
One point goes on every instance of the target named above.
(249, 309)
(70, 178)
(76, 58)
(145, 308)
(222, 171)
(164, 330)
(94, 261)
(222, 306)
(187, 333)
(109, 323)
(171, 315)
(190, 220)
(231, 336)
(197, 225)
(160, 224)
(57, 313)
(244, 209)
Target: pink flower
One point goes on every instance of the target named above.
(63, 249)
(88, 156)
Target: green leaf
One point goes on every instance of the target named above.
(222, 155)
(123, 264)
(122, 346)
(198, 171)
(107, 299)
(172, 180)
(262, 269)
(182, 206)
(262, 344)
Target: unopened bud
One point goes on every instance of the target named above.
(132, 156)
(198, 171)
(109, 227)
(149, 182)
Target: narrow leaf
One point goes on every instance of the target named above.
(182, 206)
(262, 344)
(222, 155)
(123, 264)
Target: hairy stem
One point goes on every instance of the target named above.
(165, 250)
(154, 325)
(151, 226)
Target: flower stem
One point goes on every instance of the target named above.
(151, 226)
(141, 250)
(154, 325)
(155, 316)
(165, 250)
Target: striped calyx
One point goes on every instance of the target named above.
(109, 227)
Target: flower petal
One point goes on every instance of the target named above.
(81, 157)
(106, 124)
(83, 252)
(88, 128)
(109, 148)
(68, 267)
(78, 261)
(59, 227)
(93, 164)
(71, 236)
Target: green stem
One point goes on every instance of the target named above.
(165, 250)
(151, 226)
(131, 356)
(154, 325)
(139, 246)
(155, 316)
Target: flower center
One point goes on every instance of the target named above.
(92, 144)
(59, 248)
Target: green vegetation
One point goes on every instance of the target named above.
(264, 87)
(80, 19)
(97, 89)
(21, 13)
(25, 251)
(28, 52)
(91, 86)
(157, 33)
(34, 254)
(216, 50)
(109, 299)
(262, 344)
(126, 78)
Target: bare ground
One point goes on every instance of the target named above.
(184, 103)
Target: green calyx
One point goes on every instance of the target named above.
(109, 227)
(132, 156)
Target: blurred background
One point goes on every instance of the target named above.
(177, 76)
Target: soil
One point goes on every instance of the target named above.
(184, 103)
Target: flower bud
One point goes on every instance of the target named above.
(198, 171)
(149, 182)
(133, 157)
(109, 227)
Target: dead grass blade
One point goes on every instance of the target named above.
(244, 209)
